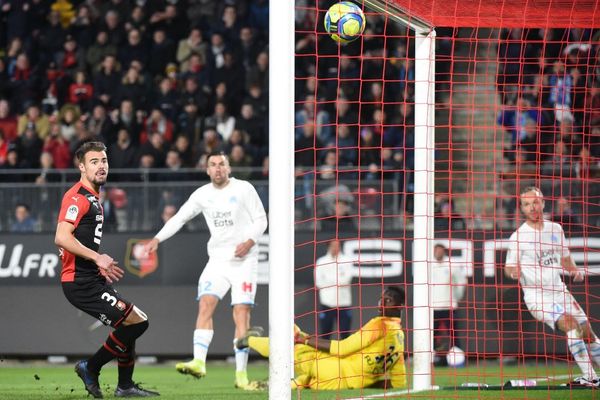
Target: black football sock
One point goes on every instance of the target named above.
(126, 364)
(117, 344)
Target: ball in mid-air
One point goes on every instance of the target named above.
(345, 22)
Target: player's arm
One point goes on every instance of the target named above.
(512, 267)
(363, 338)
(188, 210)
(65, 239)
(567, 262)
(258, 217)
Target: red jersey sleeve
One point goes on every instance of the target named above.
(73, 208)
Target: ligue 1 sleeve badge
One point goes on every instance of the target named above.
(136, 261)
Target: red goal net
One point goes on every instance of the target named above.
(517, 105)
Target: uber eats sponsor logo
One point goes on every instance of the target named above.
(16, 263)
(221, 218)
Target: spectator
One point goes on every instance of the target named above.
(133, 87)
(210, 143)
(162, 52)
(68, 116)
(58, 148)
(134, 49)
(561, 85)
(249, 47)
(166, 99)
(81, 92)
(126, 118)
(221, 121)
(240, 162)
(70, 58)
(157, 122)
(310, 112)
(258, 74)
(100, 125)
(29, 145)
(83, 27)
(24, 81)
(113, 27)
(97, 52)
(566, 216)
(156, 147)
(47, 173)
(369, 154)
(250, 123)
(183, 146)
(12, 166)
(106, 80)
(8, 122)
(189, 122)
(561, 164)
(3, 147)
(193, 44)
(123, 153)
(34, 118)
(333, 277)
(23, 221)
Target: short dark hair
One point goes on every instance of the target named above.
(216, 153)
(397, 293)
(24, 205)
(87, 147)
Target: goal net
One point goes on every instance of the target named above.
(413, 164)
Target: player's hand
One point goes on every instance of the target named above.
(151, 246)
(513, 272)
(109, 268)
(243, 248)
(577, 276)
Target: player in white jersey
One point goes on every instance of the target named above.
(236, 219)
(537, 256)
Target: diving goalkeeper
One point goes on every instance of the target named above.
(372, 357)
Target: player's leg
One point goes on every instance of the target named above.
(576, 344)
(212, 286)
(327, 317)
(594, 342)
(241, 319)
(243, 276)
(131, 329)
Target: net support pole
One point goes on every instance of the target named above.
(423, 205)
(281, 197)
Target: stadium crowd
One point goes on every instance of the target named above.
(160, 82)
(549, 84)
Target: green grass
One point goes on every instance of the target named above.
(39, 381)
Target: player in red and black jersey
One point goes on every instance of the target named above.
(87, 276)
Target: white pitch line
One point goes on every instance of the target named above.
(398, 393)
(435, 387)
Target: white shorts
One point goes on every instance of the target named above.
(221, 275)
(563, 113)
(549, 307)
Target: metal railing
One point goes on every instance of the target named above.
(138, 196)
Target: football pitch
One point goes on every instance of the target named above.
(39, 381)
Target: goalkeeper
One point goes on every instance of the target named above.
(372, 357)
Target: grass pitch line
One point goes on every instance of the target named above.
(398, 393)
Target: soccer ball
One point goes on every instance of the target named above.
(455, 357)
(345, 22)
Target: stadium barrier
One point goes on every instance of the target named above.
(37, 320)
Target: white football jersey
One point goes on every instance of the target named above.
(539, 254)
(233, 214)
(333, 278)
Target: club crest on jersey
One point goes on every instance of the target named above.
(136, 261)
(554, 239)
(72, 213)
(120, 305)
(233, 199)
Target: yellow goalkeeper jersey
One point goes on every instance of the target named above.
(372, 354)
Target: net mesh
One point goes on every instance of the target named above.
(517, 100)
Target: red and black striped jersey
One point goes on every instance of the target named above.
(81, 207)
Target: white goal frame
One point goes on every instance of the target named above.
(281, 191)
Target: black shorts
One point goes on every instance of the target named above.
(99, 300)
